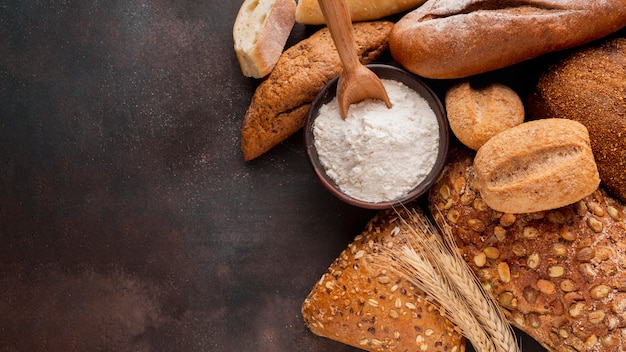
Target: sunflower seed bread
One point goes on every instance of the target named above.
(559, 274)
(359, 302)
(280, 104)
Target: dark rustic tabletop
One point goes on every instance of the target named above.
(128, 218)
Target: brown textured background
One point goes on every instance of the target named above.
(128, 220)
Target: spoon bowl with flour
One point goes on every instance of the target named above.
(378, 157)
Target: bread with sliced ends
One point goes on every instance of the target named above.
(260, 33)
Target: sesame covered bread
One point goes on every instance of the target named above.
(559, 274)
(361, 302)
(281, 102)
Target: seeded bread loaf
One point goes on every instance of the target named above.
(309, 12)
(281, 102)
(478, 112)
(589, 86)
(559, 274)
(460, 38)
(538, 165)
(260, 32)
(361, 303)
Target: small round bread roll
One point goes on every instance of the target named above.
(478, 113)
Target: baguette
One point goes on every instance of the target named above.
(558, 274)
(308, 12)
(538, 165)
(460, 38)
(260, 33)
(361, 303)
(281, 102)
(589, 86)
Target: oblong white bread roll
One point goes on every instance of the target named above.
(309, 12)
(260, 33)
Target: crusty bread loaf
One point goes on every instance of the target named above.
(260, 33)
(538, 165)
(361, 303)
(559, 274)
(459, 38)
(281, 102)
(589, 86)
(477, 113)
(309, 12)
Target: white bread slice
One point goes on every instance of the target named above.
(260, 33)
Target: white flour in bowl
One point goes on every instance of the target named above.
(378, 154)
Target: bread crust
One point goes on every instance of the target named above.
(589, 86)
(460, 38)
(558, 274)
(258, 53)
(281, 102)
(362, 304)
(308, 12)
(538, 165)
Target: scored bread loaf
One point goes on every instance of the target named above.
(460, 38)
(538, 165)
(589, 86)
(281, 102)
(559, 274)
(260, 33)
(362, 303)
(309, 12)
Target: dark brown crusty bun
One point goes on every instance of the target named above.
(559, 274)
(589, 86)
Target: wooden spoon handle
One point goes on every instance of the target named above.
(339, 23)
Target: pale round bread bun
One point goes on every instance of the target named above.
(478, 113)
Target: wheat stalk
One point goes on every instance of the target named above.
(441, 255)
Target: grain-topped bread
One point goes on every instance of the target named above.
(360, 303)
(281, 102)
(308, 11)
(460, 38)
(560, 274)
(538, 165)
(589, 86)
(260, 33)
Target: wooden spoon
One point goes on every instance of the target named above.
(356, 82)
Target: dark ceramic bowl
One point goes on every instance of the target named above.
(413, 82)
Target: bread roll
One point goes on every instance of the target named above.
(589, 86)
(364, 305)
(538, 165)
(459, 38)
(559, 274)
(477, 113)
(308, 11)
(260, 33)
(281, 102)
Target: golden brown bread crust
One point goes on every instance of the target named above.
(589, 86)
(309, 12)
(559, 274)
(459, 38)
(477, 113)
(281, 102)
(358, 303)
(538, 165)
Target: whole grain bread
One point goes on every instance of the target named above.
(281, 102)
(460, 38)
(589, 86)
(361, 301)
(538, 165)
(558, 274)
